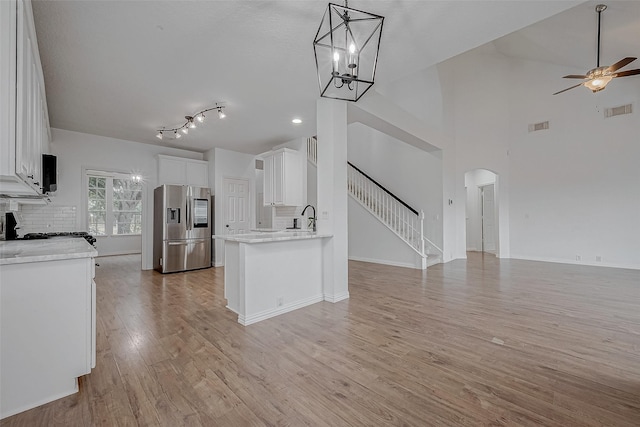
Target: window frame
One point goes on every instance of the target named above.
(109, 200)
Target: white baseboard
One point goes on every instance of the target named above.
(385, 262)
(336, 298)
(568, 261)
(263, 315)
(116, 253)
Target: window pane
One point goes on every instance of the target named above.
(95, 193)
(126, 223)
(96, 205)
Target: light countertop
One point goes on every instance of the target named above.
(58, 248)
(279, 236)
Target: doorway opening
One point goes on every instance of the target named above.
(482, 229)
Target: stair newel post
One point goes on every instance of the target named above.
(422, 232)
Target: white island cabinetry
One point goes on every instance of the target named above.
(267, 274)
(48, 320)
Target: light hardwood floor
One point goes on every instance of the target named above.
(470, 343)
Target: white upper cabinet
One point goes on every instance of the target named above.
(283, 178)
(24, 118)
(181, 171)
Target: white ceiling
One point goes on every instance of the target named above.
(124, 69)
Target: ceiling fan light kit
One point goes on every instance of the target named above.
(346, 49)
(190, 123)
(598, 78)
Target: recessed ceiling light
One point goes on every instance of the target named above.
(296, 121)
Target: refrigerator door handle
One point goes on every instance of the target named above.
(188, 219)
(177, 243)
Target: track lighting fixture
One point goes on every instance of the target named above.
(190, 122)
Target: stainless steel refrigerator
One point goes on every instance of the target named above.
(181, 228)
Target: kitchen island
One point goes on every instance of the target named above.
(267, 274)
(47, 320)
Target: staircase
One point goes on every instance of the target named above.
(403, 220)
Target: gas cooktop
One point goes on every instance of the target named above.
(34, 236)
(31, 236)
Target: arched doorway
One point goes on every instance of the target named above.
(482, 229)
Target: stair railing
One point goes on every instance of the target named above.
(403, 220)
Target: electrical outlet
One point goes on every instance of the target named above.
(578, 258)
(279, 301)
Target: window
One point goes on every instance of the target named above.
(114, 204)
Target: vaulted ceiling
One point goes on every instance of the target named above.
(124, 69)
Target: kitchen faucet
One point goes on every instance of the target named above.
(313, 218)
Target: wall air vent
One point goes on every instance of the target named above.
(259, 164)
(617, 111)
(539, 126)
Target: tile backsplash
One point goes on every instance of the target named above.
(284, 215)
(43, 219)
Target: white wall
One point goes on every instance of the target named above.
(574, 187)
(564, 192)
(77, 152)
(414, 175)
(230, 164)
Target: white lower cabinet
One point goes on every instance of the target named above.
(48, 331)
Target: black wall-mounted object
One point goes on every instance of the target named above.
(10, 224)
(49, 173)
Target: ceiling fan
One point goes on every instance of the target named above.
(598, 78)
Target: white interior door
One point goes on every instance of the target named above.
(488, 218)
(236, 205)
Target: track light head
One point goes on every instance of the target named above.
(159, 135)
(221, 114)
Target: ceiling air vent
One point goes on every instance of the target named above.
(618, 111)
(539, 126)
(259, 164)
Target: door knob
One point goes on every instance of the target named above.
(227, 225)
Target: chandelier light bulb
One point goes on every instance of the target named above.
(159, 135)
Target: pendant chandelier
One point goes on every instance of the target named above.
(346, 50)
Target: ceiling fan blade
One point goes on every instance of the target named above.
(627, 73)
(579, 84)
(621, 64)
(574, 76)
